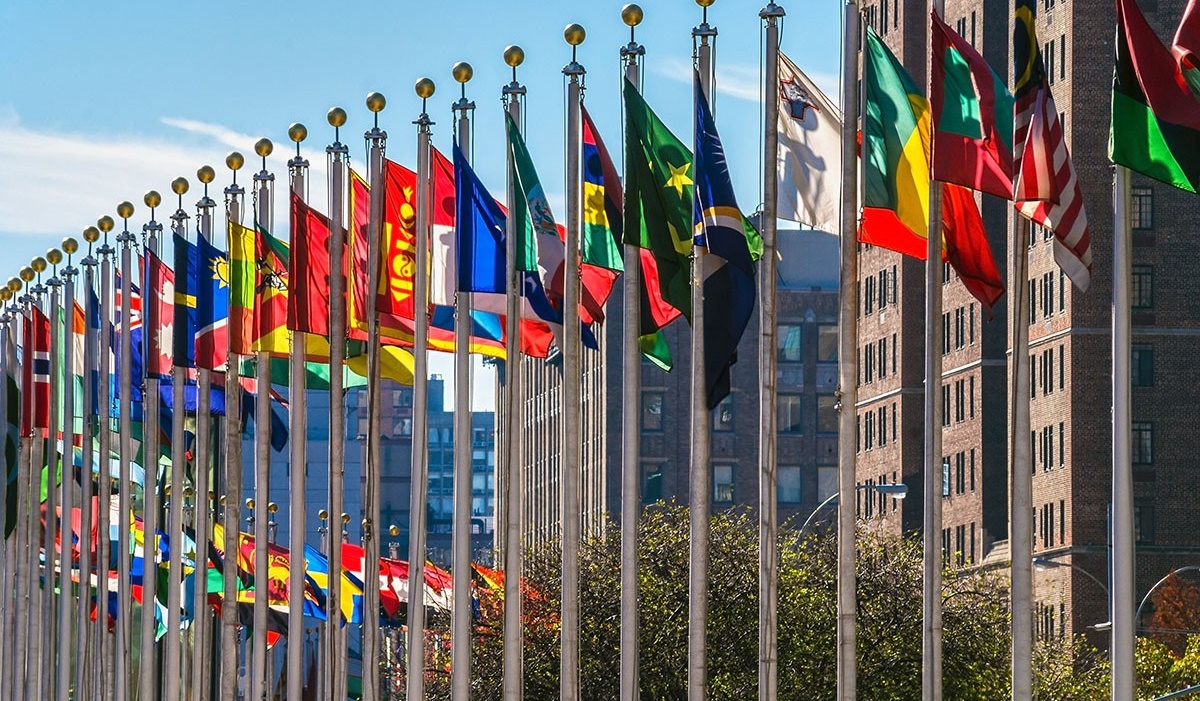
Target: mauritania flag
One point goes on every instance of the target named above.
(895, 154)
(733, 249)
(810, 151)
(1155, 118)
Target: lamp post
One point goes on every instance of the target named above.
(896, 491)
(1041, 563)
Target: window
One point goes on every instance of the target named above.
(789, 484)
(827, 414)
(1032, 296)
(652, 482)
(1062, 57)
(869, 431)
(827, 343)
(788, 415)
(882, 358)
(869, 295)
(971, 323)
(723, 415)
(1143, 521)
(893, 354)
(1048, 54)
(1141, 293)
(652, 411)
(827, 482)
(945, 333)
(788, 341)
(1062, 443)
(960, 328)
(883, 426)
(971, 397)
(945, 405)
(1062, 366)
(960, 401)
(883, 286)
(1141, 212)
(869, 364)
(1143, 365)
(1143, 443)
(722, 483)
(945, 476)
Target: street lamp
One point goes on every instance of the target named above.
(1042, 563)
(1137, 616)
(896, 491)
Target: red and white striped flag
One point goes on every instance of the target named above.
(1046, 190)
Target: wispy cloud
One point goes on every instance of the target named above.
(740, 81)
(219, 133)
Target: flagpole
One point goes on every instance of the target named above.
(259, 684)
(124, 630)
(51, 604)
(105, 662)
(1020, 537)
(67, 605)
(335, 634)
(298, 479)
(847, 596)
(28, 598)
(768, 518)
(460, 633)
(202, 617)
(1124, 623)
(84, 685)
(7, 623)
(513, 545)
(700, 494)
(230, 627)
(418, 501)
(631, 430)
(148, 673)
(172, 670)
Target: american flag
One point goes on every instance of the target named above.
(1046, 189)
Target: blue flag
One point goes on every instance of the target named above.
(212, 305)
(481, 226)
(186, 265)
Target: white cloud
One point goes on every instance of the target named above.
(217, 132)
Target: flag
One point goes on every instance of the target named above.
(12, 432)
(601, 256)
(729, 290)
(37, 372)
(1187, 46)
(212, 306)
(1045, 187)
(895, 155)
(243, 284)
(308, 278)
(160, 312)
(965, 245)
(184, 342)
(270, 333)
(810, 151)
(1155, 117)
(972, 112)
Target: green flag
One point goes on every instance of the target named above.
(533, 218)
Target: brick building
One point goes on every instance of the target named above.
(1070, 346)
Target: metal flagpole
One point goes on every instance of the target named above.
(260, 666)
(419, 496)
(298, 456)
(50, 605)
(105, 663)
(572, 391)
(377, 139)
(67, 606)
(335, 634)
(847, 602)
(931, 619)
(699, 498)
(513, 546)
(202, 617)
(7, 655)
(1020, 536)
(460, 632)
(85, 687)
(173, 664)
(124, 639)
(148, 673)
(631, 430)
(768, 518)
(230, 628)
(1123, 593)
(28, 593)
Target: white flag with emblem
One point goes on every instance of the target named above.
(810, 151)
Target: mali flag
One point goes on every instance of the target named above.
(895, 154)
(1155, 117)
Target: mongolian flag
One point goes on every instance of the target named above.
(212, 306)
(308, 279)
(187, 263)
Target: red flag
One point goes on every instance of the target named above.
(965, 245)
(308, 279)
(160, 314)
(1187, 46)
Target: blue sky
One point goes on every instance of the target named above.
(100, 102)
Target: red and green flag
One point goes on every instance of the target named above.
(1187, 46)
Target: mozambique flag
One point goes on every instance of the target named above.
(973, 116)
(1155, 117)
(186, 264)
(243, 287)
(1187, 46)
(895, 154)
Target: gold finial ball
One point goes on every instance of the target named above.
(632, 14)
(221, 501)
(394, 530)
(234, 161)
(70, 245)
(463, 72)
(574, 34)
(249, 503)
(424, 88)
(167, 490)
(5, 294)
(345, 519)
(297, 132)
(106, 222)
(188, 492)
(705, 3)
(91, 234)
(514, 56)
(27, 273)
(336, 117)
(376, 102)
(38, 264)
(14, 284)
(125, 209)
(273, 507)
(323, 515)
(54, 255)
(206, 174)
(179, 185)
(152, 199)
(263, 147)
